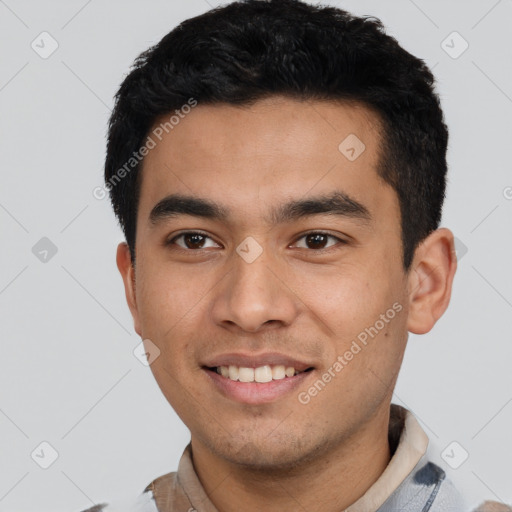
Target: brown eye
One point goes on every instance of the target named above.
(316, 241)
(191, 240)
(319, 240)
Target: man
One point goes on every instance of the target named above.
(279, 171)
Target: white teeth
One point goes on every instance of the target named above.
(232, 372)
(278, 372)
(290, 371)
(246, 374)
(264, 373)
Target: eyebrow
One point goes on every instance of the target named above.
(337, 203)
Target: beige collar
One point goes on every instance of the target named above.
(412, 446)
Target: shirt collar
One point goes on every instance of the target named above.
(412, 445)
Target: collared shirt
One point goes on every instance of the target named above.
(409, 483)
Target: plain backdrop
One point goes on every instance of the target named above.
(68, 375)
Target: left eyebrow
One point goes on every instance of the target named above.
(337, 203)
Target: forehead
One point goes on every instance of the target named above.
(303, 128)
(278, 148)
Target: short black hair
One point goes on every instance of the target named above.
(253, 49)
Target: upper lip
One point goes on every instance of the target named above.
(256, 360)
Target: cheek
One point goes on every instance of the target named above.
(170, 302)
(361, 309)
(343, 299)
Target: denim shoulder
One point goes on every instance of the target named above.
(426, 489)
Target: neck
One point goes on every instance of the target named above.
(328, 482)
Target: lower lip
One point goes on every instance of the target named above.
(257, 392)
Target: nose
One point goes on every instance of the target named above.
(254, 296)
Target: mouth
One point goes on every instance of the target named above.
(260, 374)
(255, 385)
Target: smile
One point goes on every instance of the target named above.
(257, 386)
(260, 374)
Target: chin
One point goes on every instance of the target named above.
(274, 453)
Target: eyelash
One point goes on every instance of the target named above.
(180, 235)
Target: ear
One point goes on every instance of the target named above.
(125, 266)
(430, 280)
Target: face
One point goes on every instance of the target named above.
(291, 274)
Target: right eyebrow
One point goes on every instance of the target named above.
(177, 204)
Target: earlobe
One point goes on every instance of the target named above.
(430, 280)
(127, 271)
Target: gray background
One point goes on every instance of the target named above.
(68, 375)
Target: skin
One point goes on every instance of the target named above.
(294, 298)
